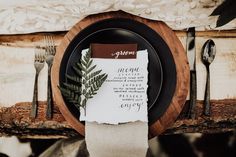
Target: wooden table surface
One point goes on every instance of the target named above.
(15, 120)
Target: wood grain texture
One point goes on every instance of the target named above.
(15, 121)
(178, 53)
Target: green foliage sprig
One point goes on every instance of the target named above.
(85, 84)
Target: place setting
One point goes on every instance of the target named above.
(117, 71)
(117, 78)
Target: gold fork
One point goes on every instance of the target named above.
(38, 64)
(50, 50)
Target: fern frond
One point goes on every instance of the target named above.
(71, 96)
(94, 74)
(72, 87)
(90, 69)
(78, 71)
(89, 63)
(83, 63)
(86, 76)
(81, 67)
(75, 79)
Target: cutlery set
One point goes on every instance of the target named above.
(208, 53)
(42, 56)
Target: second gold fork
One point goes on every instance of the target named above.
(50, 50)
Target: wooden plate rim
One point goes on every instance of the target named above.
(177, 50)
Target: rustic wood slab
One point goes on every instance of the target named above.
(15, 120)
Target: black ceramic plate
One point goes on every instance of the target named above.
(161, 67)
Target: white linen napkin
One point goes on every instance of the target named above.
(124, 140)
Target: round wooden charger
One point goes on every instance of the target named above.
(177, 50)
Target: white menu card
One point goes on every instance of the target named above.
(123, 96)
